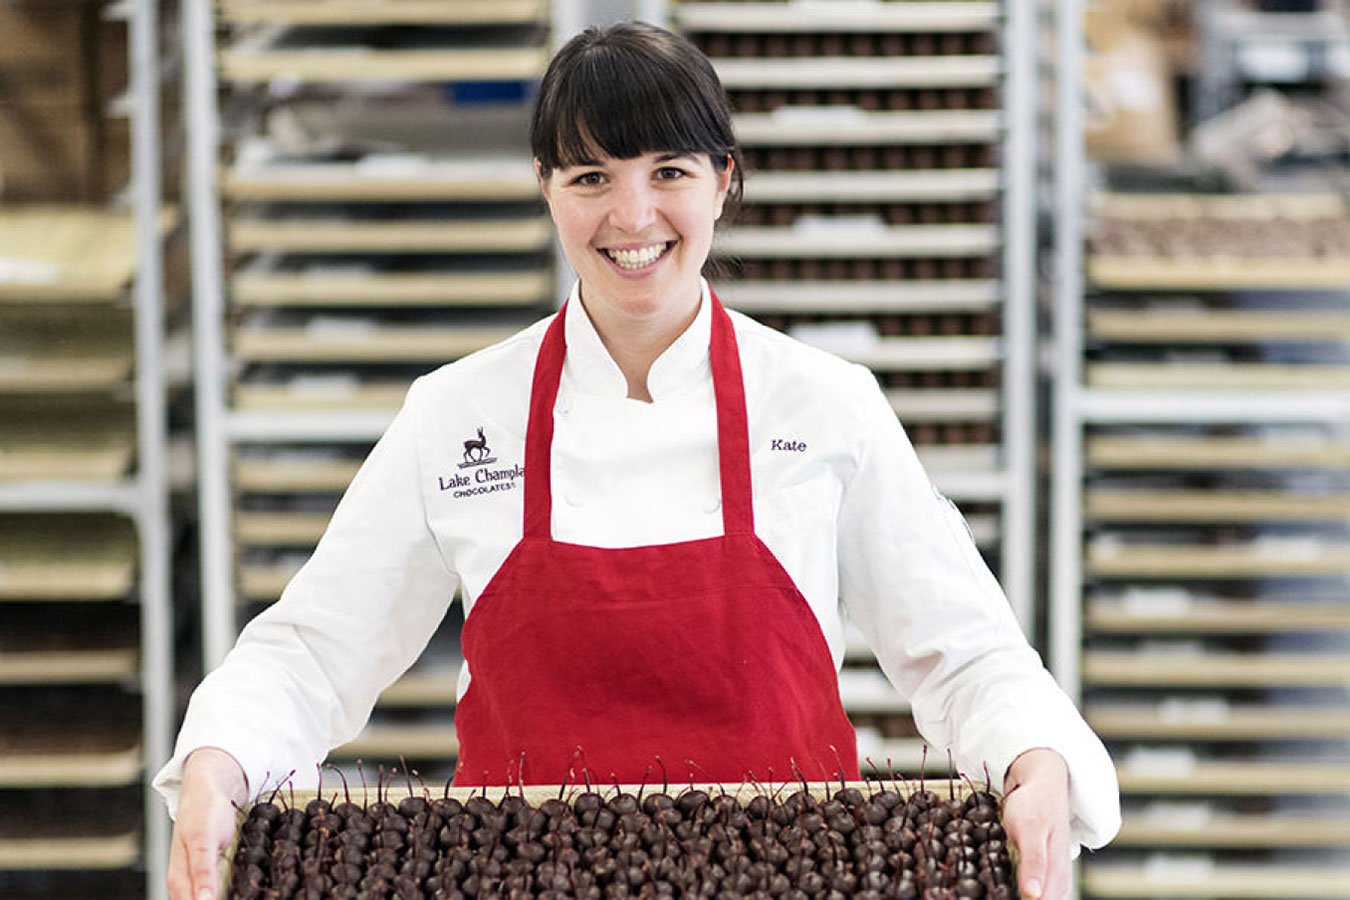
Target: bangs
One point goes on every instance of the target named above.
(623, 104)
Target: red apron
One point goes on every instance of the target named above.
(700, 656)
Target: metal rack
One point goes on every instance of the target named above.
(325, 281)
(100, 497)
(1198, 582)
(901, 236)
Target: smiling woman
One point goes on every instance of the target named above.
(684, 509)
(636, 157)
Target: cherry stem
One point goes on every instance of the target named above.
(345, 792)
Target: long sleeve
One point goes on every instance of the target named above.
(306, 672)
(912, 580)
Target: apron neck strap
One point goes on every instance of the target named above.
(733, 433)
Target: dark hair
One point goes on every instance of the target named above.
(630, 89)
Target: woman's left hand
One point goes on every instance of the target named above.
(1036, 817)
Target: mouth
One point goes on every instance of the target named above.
(632, 259)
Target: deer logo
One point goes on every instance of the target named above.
(476, 449)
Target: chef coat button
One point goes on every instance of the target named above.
(572, 498)
(712, 504)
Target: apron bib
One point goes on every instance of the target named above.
(700, 657)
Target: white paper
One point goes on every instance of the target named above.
(842, 338)
(1170, 762)
(1197, 710)
(1174, 867)
(17, 270)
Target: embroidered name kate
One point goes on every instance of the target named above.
(789, 446)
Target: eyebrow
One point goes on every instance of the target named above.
(664, 157)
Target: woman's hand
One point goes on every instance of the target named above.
(1036, 817)
(213, 783)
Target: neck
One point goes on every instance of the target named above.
(635, 342)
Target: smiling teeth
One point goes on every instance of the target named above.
(636, 259)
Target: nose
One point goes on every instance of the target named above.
(634, 206)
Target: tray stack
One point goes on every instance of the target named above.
(873, 136)
(79, 693)
(379, 218)
(1216, 527)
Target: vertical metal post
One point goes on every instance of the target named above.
(1067, 476)
(1019, 311)
(151, 423)
(208, 313)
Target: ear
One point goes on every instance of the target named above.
(724, 185)
(543, 182)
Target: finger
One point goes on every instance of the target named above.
(1030, 838)
(1059, 867)
(178, 880)
(204, 865)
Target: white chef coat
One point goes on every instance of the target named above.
(839, 498)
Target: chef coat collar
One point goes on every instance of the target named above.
(591, 369)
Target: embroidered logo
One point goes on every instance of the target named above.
(477, 456)
(477, 452)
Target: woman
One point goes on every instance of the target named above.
(660, 516)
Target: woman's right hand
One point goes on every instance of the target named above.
(213, 784)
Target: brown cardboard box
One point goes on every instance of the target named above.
(44, 51)
(1127, 84)
(61, 66)
(47, 153)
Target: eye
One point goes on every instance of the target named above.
(588, 179)
(670, 173)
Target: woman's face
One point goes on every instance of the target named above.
(638, 230)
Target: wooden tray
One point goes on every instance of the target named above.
(386, 12)
(91, 666)
(1140, 273)
(916, 296)
(1138, 668)
(1168, 452)
(855, 128)
(381, 344)
(46, 769)
(294, 474)
(961, 16)
(279, 528)
(240, 64)
(935, 185)
(945, 404)
(824, 72)
(902, 241)
(1217, 616)
(1213, 506)
(1231, 882)
(1240, 778)
(1218, 376)
(52, 253)
(117, 851)
(437, 741)
(259, 582)
(376, 289)
(1231, 831)
(1238, 723)
(1216, 561)
(422, 181)
(65, 558)
(314, 396)
(1216, 326)
(345, 235)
